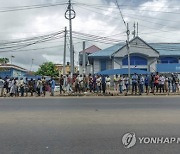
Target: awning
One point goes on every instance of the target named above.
(122, 71)
(168, 68)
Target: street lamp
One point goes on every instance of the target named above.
(31, 64)
(12, 58)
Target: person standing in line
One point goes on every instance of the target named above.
(98, 80)
(68, 84)
(103, 84)
(108, 84)
(1, 87)
(94, 84)
(31, 86)
(26, 88)
(169, 84)
(21, 84)
(166, 85)
(5, 86)
(121, 84)
(12, 86)
(116, 83)
(38, 86)
(161, 83)
(173, 83)
(141, 84)
(90, 83)
(126, 82)
(52, 84)
(134, 83)
(61, 83)
(146, 82)
(177, 84)
(44, 86)
(156, 82)
(81, 83)
(17, 87)
(77, 85)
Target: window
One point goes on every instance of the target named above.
(168, 60)
(103, 65)
(135, 60)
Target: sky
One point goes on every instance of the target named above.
(158, 21)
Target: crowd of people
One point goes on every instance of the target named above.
(136, 84)
(24, 87)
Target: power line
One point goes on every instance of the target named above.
(32, 7)
(102, 6)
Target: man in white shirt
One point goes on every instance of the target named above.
(108, 83)
(161, 83)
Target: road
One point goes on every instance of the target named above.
(87, 125)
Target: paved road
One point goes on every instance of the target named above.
(87, 125)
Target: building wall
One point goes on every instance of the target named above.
(96, 66)
(137, 46)
(12, 73)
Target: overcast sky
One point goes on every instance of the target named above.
(158, 22)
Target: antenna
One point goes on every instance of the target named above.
(137, 29)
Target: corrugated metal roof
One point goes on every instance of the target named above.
(107, 52)
(91, 49)
(164, 49)
(167, 49)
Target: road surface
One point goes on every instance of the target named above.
(87, 125)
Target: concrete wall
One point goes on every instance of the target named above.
(96, 66)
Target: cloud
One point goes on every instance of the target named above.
(97, 17)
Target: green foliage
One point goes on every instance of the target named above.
(47, 69)
(4, 60)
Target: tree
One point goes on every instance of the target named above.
(47, 69)
(4, 60)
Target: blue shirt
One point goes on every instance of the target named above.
(134, 78)
(146, 80)
(53, 84)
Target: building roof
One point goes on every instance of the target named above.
(164, 49)
(13, 66)
(167, 49)
(91, 49)
(108, 51)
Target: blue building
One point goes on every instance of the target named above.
(151, 57)
(11, 71)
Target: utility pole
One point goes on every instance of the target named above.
(127, 41)
(128, 50)
(84, 57)
(137, 29)
(73, 59)
(70, 14)
(64, 60)
(134, 32)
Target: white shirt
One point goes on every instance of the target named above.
(161, 80)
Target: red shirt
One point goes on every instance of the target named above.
(156, 79)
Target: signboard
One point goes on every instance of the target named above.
(168, 68)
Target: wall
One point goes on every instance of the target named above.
(137, 46)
